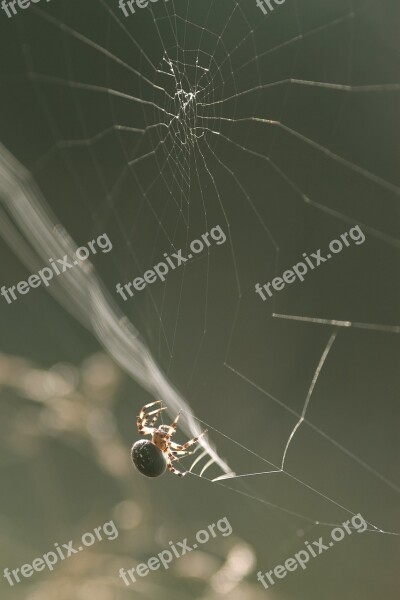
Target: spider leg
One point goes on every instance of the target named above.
(156, 413)
(143, 411)
(157, 410)
(142, 419)
(143, 429)
(170, 466)
(181, 453)
(187, 444)
(173, 445)
(173, 425)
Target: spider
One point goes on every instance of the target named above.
(153, 457)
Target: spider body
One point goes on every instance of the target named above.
(153, 457)
(148, 458)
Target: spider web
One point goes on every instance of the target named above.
(187, 115)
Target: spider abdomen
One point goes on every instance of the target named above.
(148, 459)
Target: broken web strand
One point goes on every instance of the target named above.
(335, 323)
(301, 418)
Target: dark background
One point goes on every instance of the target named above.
(68, 413)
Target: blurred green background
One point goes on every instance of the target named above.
(68, 412)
